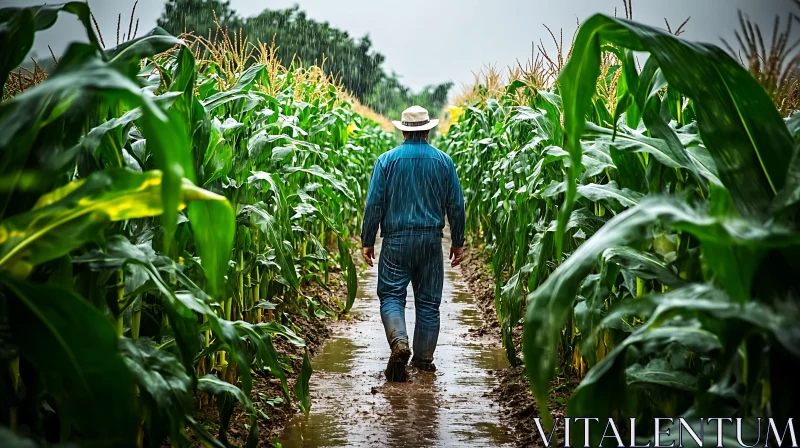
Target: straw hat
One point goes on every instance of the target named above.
(415, 118)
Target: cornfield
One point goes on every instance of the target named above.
(641, 224)
(166, 202)
(163, 205)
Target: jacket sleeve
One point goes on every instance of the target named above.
(456, 214)
(373, 211)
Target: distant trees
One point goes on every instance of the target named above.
(311, 41)
(351, 60)
(390, 97)
(197, 16)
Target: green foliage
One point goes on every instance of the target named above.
(312, 42)
(157, 232)
(390, 97)
(657, 247)
(72, 370)
(21, 24)
(197, 16)
(301, 387)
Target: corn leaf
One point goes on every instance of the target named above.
(593, 398)
(301, 386)
(610, 193)
(226, 394)
(265, 353)
(550, 305)
(213, 224)
(658, 371)
(752, 134)
(267, 225)
(19, 25)
(165, 387)
(131, 52)
(350, 274)
(80, 377)
(68, 217)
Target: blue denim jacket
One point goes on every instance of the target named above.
(412, 188)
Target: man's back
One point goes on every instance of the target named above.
(413, 187)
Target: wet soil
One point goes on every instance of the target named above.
(354, 405)
(512, 391)
(267, 394)
(475, 397)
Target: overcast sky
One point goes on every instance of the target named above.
(432, 41)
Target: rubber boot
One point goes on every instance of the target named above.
(396, 368)
(424, 366)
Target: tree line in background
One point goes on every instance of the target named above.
(298, 37)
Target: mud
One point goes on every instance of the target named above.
(353, 404)
(267, 394)
(475, 397)
(478, 277)
(512, 391)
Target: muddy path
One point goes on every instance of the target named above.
(353, 405)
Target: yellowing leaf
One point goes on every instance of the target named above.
(65, 218)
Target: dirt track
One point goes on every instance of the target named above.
(353, 405)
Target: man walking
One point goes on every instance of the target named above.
(412, 188)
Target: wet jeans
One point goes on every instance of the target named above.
(418, 259)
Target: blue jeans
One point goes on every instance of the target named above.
(415, 258)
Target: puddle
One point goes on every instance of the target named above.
(353, 404)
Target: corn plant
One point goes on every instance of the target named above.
(647, 242)
(161, 215)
